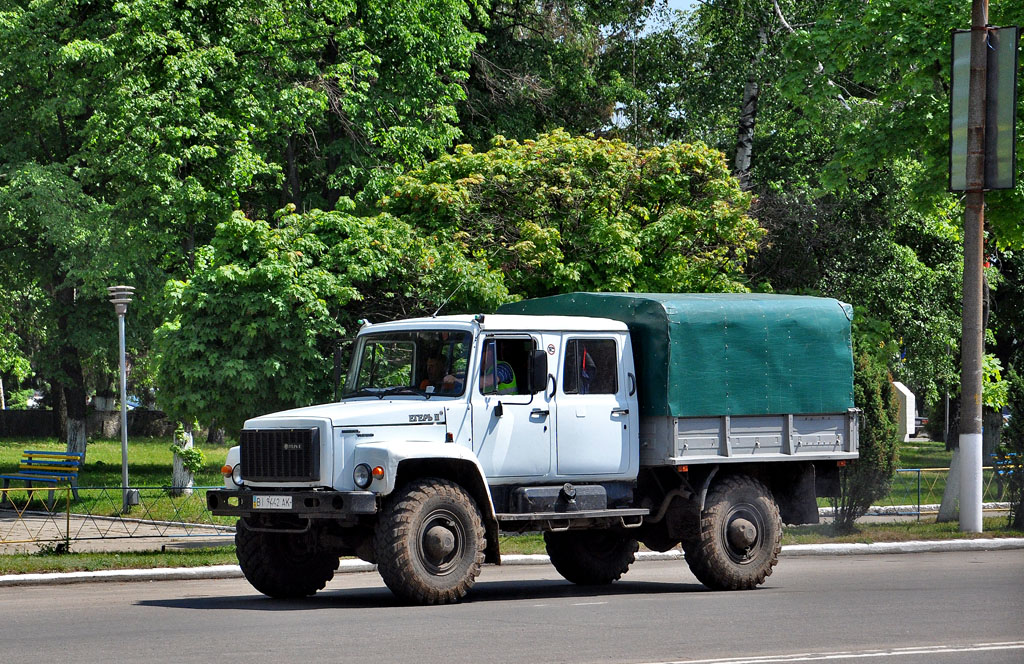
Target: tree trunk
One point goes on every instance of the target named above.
(748, 118)
(215, 436)
(3, 402)
(182, 479)
(60, 411)
(991, 434)
(295, 192)
(949, 510)
(72, 388)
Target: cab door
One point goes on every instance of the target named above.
(511, 427)
(594, 417)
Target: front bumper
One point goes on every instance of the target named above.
(305, 504)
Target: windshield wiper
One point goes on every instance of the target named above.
(398, 390)
(358, 393)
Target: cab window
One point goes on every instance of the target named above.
(504, 365)
(591, 367)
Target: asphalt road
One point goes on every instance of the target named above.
(905, 609)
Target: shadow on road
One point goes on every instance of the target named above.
(485, 591)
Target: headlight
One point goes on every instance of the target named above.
(362, 476)
(236, 475)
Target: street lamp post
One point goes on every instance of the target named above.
(120, 296)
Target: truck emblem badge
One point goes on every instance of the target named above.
(427, 417)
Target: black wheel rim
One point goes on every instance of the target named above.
(435, 562)
(743, 554)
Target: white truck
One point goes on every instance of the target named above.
(602, 420)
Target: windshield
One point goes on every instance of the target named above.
(423, 363)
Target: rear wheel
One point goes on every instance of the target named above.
(430, 542)
(740, 535)
(591, 557)
(282, 565)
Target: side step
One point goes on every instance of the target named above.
(555, 521)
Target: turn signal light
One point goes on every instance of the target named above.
(225, 470)
(378, 472)
(841, 464)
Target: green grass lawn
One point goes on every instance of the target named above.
(920, 453)
(149, 460)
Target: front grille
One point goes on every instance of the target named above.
(280, 455)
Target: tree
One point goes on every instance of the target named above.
(253, 326)
(548, 65)
(897, 94)
(130, 130)
(566, 213)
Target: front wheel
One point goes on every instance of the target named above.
(740, 536)
(282, 565)
(590, 557)
(430, 542)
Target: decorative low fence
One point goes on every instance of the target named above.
(28, 516)
(917, 491)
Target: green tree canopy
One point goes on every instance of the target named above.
(253, 326)
(565, 213)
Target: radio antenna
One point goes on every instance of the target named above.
(449, 298)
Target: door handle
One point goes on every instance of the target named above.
(632, 384)
(620, 411)
(539, 411)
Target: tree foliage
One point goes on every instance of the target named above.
(252, 327)
(564, 213)
(141, 138)
(131, 129)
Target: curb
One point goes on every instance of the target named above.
(349, 566)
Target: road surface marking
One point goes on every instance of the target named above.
(864, 654)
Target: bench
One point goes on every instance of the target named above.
(49, 468)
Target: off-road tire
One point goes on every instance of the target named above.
(714, 556)
(591, 557)
(410, 559)
(282, 565)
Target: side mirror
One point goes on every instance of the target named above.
(340, 352)
(537, 377)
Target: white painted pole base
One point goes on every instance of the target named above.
(970, 482)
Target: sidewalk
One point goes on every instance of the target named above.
(350, 565)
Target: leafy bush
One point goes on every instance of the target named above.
(869, 477)
(18, 399)
(1011, 451)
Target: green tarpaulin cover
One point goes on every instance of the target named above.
(700, 355)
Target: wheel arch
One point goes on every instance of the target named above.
(794, 486)
(467, 475)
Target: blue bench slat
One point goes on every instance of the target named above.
(45, 473)
(48, 462)
(36, 478)
(74, 454)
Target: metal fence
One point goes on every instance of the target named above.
(28, 515)
(917, 491)
(46, 515)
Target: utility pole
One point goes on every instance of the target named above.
(972, 343)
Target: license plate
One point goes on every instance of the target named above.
(272, 502)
